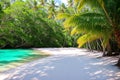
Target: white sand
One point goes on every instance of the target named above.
(66, 64)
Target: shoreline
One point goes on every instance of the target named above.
(66, 64)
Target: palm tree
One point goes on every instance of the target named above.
(62, 8)
(43, 2)
(52, 9)
(111, 12)
(83, 22)
(95, 19)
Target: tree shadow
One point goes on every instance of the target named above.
(67, 67)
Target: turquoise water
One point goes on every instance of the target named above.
(8, 56)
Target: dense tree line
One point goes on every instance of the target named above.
(30, 23)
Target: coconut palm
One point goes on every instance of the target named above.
(92, 25)
(95, 19)
(111, 12)
(52, 9)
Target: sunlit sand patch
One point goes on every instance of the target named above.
(3, 76)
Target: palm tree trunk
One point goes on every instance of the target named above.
(109, 50)
(104, 53)
(117, 37)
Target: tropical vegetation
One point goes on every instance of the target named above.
(95, 20)
(93, 24)
(26, 24)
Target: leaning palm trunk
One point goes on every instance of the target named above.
(117, 37)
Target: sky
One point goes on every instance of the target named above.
(61, 1)
(64, 1)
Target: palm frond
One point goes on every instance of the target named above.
(63, 16)
(81, 4)
(90, 3)
(87, 38)
(101, 2)
(76, 1)
(87, 22)
(74, 31)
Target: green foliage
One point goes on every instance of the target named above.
(23, 26)
(92, 25)
(1, 13)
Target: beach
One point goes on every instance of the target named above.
(66, 64)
